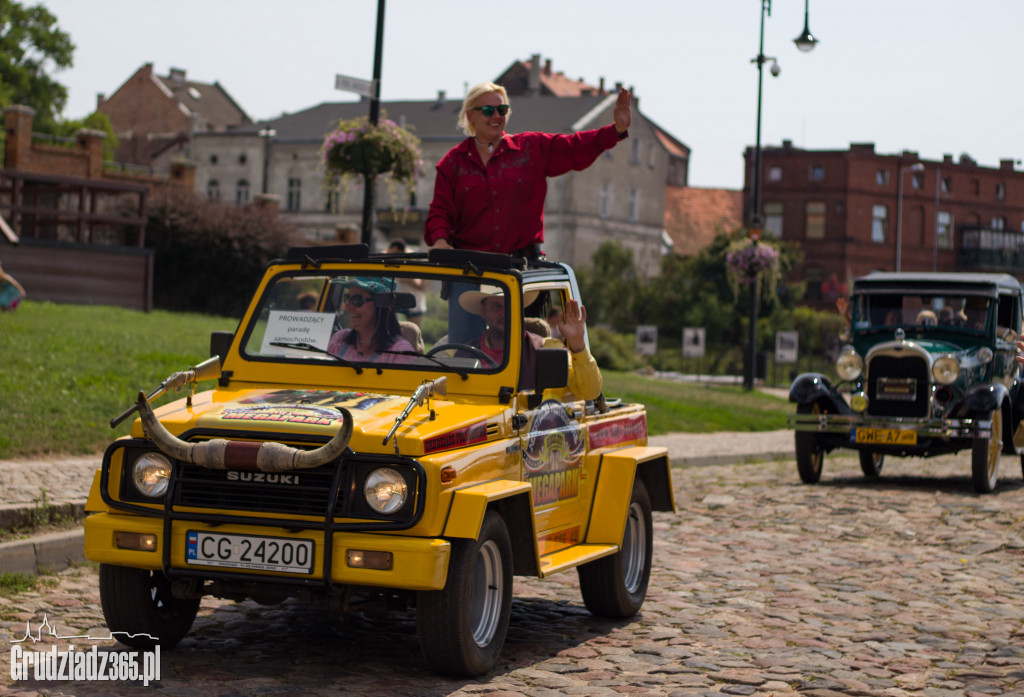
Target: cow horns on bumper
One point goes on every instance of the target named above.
(243, 455)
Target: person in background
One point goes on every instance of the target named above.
(585, 379)
(415, 286)
(372, 330)
(11, 292)
(489, 190)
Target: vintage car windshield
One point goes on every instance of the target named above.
(960, 313)
(402, 320)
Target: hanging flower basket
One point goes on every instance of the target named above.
(357, 148)
(748, 262)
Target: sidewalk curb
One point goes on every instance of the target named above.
(736, 458)
(44, 553)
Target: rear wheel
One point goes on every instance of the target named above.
(810, 456)
(462, 627)
(616, 586)
(985, 456)
(139, 603)
(871, 463)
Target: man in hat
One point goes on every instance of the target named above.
(585, 380)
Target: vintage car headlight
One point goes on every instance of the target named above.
(385, 490)
(946, 370)
(849, 365)
(985, 354)
(151, 473)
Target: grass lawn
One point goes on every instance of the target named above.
(69, 369)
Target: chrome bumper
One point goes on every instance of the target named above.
(929, 428)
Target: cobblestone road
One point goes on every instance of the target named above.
(911, 585)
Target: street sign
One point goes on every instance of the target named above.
(693, 342)
(646, 339)
(786, 344)
(366, 88)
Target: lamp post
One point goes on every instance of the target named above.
(805, 42)
(370, 181)
(266, 134)
(916, 167)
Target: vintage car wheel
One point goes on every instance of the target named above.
(462, 627)
(810, 456)
(871, 463)
(139, 602)
(985, 456)
(615, 586)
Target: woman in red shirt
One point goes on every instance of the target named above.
(489, 190)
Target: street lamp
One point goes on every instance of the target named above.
(804, 42)
(266, 134)
(916, 167)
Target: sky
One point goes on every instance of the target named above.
(932, 76)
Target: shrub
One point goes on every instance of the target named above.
(613, 351)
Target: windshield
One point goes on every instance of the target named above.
(932, 311)
(402, 320)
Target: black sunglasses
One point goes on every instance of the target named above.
(356, 300)
(489, 110)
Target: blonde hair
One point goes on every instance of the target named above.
(469, 102)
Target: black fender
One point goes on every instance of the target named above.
(809, 388)
(982, 399)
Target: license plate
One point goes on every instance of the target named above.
(884, 436)
(249, 552)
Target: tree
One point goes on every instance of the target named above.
(32, 46)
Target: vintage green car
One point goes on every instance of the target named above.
(929, 369)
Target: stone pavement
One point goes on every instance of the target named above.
(909, 585)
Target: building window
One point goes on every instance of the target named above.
(213, 190)
(634, 205)
(917, 181)
(944, 230)
(1001, 191)
(773, 220)
(775, 174)
(879, 223)
(998, 223)
(332, 195)
(882, 177)
(817, 173)
(815, 220)
(634, 151)
(975, 187)
(213, 159)
(651, 157)
(946, 185)
(604, 199)
(294, 194)
(242, 192)
(242, 159)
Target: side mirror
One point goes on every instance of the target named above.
(220, 344)
(552, 369)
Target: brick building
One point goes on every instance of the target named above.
(155, 116)
(845, 209)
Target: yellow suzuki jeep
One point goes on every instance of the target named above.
(351, 457)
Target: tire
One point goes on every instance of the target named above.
(985, 456)
(871, 463)
(462, 628)
(810, 456)
(139, 603)
(615, 586)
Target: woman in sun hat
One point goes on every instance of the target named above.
(372, 329)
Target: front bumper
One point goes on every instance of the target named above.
(844, 426)
(418, 563)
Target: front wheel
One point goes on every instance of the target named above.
(810, 455)
(615, 586)
(871, 463)
(462, 627)
(139, 607)
(985, 456)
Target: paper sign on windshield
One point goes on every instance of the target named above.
(290, 326)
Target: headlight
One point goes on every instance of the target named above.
(946, 370)
(849, 365)
(385, 490)
(151, 473)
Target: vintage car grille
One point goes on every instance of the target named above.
(302, 492)
(898, 386)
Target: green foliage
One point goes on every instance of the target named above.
(96, 121)
(210, 256)
(608, 287)
(31, 47)
(69, 369)
(613, 351)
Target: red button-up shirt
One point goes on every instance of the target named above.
(499, 207)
